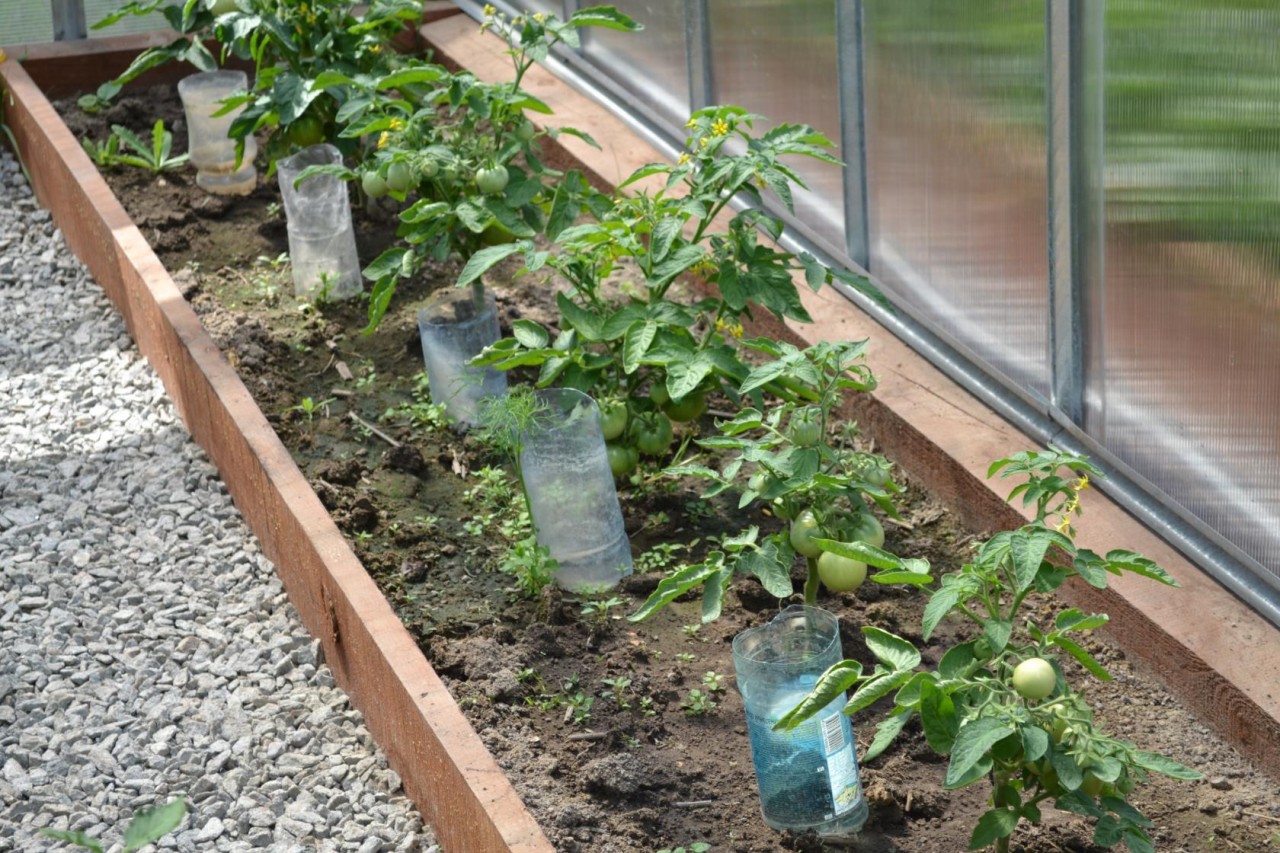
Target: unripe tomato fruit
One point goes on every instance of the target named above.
(1034, 678)
(622, 460)
(867, 529)
(840, 574)
(373, 184)
(803, 531)
(613, 418)
(690, 407)
(653, 433)
(658, 394)
(306, 130)
(492, 180)
(428, 167)
(805, 427)
(524, 130)
(1091, 785)
(399, 177)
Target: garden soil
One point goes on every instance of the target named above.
(630, 765)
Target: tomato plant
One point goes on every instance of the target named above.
(804, 529)
(622, 459)
(995, 704)
(400, 176)
(373, 184)
(805, 426)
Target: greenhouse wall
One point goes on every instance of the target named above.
(1076, 201)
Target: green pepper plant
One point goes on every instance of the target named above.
(615, 343)
(821, 490)
(1000, 705)
(469, 156)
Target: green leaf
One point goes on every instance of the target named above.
(910, 578)
(765, 565)
(636, 343)
(973, 743)
(713, 594)
(1085, 659)
(997, 632)
(1107, 832)
(584, 322)
(891, 649)
(485, 259)
(683, 377)
(78, 838)
(957, 660)
(150, 825)
(1158, 763)
(876, 689)
(1128, 561)
(938, 716)
(1138, 841)
(1091, 567)
(831, 685)
(389, 263)
(664, 235)
(1075, 620)
(408, 76)
(676, 584)
(1028, 553)
(530, 334)
(992, 826)
(1035, 741)
(869, 554)
(940, 604)
(604, 16)
(886, 731)
(1069, 772)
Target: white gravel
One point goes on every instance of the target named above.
(147, 650)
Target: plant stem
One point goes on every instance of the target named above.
(811, 584)
(1002, 845)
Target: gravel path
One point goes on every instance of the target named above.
(147, 650)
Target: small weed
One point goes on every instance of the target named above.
(714, 682)
(619, 687)
(309, 408)
(599, 609)
(698, 704)
(154, 158)
(146, 827)
(646, 706)
(691, 631)
(695, 847)
(686, 657)
(530, 564)
(661, 556)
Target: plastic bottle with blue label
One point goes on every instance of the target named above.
(808, 776)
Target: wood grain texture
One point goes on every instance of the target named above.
(445, 767)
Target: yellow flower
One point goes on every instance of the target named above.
(720, 127)
(489, 11)
(702, 142)
(377, 48)
(539, 16)
(1082, 483)
(734, 329)
(2, 56)
(691, 124)
(684, 159)
(397, 124)
(383, 139)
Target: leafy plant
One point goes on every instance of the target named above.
(146, 827)
(698, 703)
(616, 344)
(695, 847)
(309, 407)
(1000, 704)
(156, 158)
(784, 460)
(469, 155)
(530, 564)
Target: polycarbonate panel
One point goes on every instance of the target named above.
(96, 10)
(1188, 312)
(555, 7)
(956, 175)
(778, 58)
(652, 64)
(25, 22)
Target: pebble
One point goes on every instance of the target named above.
(149, 649)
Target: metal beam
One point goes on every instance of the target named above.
(68, 20)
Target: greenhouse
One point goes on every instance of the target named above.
(658, 426)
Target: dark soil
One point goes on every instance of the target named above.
(634, 771)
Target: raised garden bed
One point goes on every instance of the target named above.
(444, 765)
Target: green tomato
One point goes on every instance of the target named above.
(428, 167)
(498, 234)
(805, 427)
(658, 394)
(840, 574)
(1034, 678)
(524, 130)
(622, 459)
(305, 131)
(868, 530)
(875, 471)
(653, 433)
(492, 180)
(399, 177)
(1092, 785)
(1125, 785)
(690, 407)
(759, 481)
(374, 185)
(613, 418)
(803, 531)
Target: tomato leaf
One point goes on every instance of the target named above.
(1158, 763)
(1085, 659)
(636, 343)
(765, 565)
(713, 594)
(1035, 741)
(891, 649)
(940, 604)
(886, 731)
(992, 826)
(938, 716)
(1075, 620)
(1069, 773)
(1027, 550)
(832, 684)
(480, 263)
(910, 578)
(1128, 561)
(997, 632)
(957, 660)
(1091, 567)
(529, 334)
(972, 748)
(876, 689)
(676, 584)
